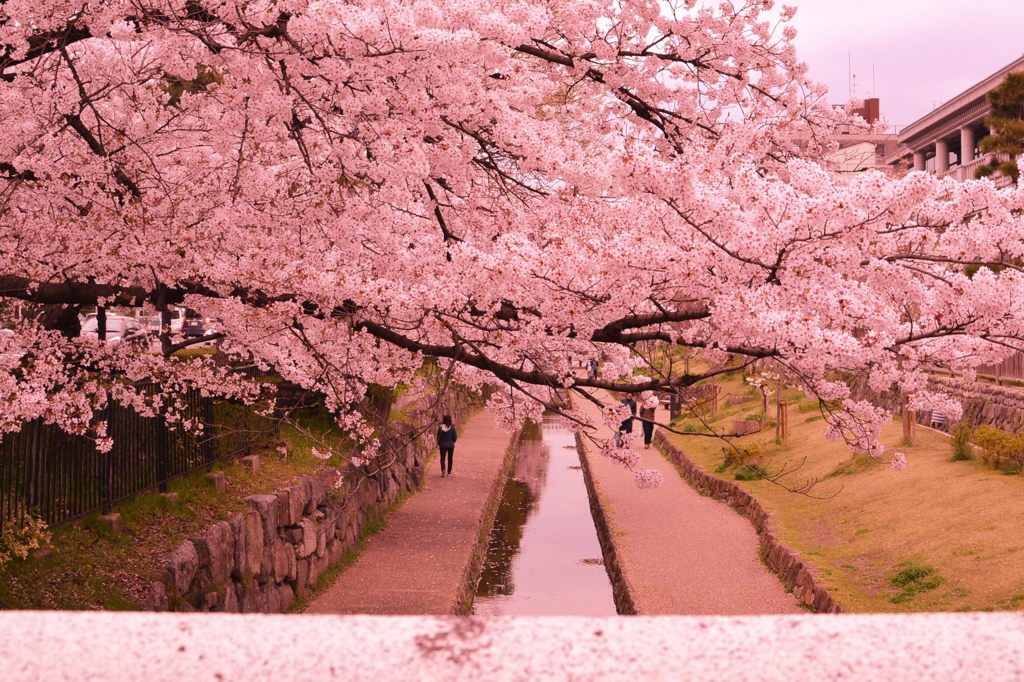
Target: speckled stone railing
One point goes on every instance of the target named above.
(786, 563)
(47, 645)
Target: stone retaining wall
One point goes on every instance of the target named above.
(471, 576)
(264, 558)
(794, 573)
(985, 403)
(624, 605)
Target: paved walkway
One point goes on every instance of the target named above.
(417, 565)
(680, 552)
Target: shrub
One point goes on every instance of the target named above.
(750, 472)
(1001, 449)
(962, 450)
(21, 536)
(730, 458)
(747, 460)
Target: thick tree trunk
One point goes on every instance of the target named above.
(62, 318)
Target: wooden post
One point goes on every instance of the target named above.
(673, 405)
(778, 408)
(715, 392)
(908, 426)
(107, 462)
(162, 448)
(781, 421)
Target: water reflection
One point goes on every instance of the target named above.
(543, 557)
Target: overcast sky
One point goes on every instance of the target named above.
(923, 51)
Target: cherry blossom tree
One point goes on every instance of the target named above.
(502, 190)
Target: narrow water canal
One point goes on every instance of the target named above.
(543, 557)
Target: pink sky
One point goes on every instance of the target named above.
(924, 51)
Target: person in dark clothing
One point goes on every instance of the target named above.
(627, 425)
(446, 437)
(647, 418)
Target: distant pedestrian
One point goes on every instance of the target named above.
(647, 418)
(446, 437)
(627, 425)
(592, 368)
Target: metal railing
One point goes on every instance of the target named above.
(48, 473)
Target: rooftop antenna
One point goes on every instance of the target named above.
(849, 75)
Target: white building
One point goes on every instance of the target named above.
(946, 139)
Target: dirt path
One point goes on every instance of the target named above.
(418, 564)
(680, 552)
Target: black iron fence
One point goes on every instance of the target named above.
(48, 473)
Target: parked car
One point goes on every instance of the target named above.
(177, 318)
(195, 325)
(119, 329)
(192, 325)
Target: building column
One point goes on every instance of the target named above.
(918, 161)
(966, 145)
(941, 156)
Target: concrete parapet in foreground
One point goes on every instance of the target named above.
(86, 646)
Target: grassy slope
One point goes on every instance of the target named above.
(93, 570)
(864, 525)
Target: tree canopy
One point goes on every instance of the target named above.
(1006, 121)
(355, 187)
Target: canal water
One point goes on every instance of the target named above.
(543, 557)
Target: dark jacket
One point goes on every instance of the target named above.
(627, 425)
(446, 438)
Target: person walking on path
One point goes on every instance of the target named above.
(708, 565)
(446, 437)
(627, 425)
(591, 368)
(647, 418)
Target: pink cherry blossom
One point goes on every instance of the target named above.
(367, 193)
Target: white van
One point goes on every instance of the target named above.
(119, 329)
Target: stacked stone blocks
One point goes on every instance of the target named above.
(264, 558)
(984, 403)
